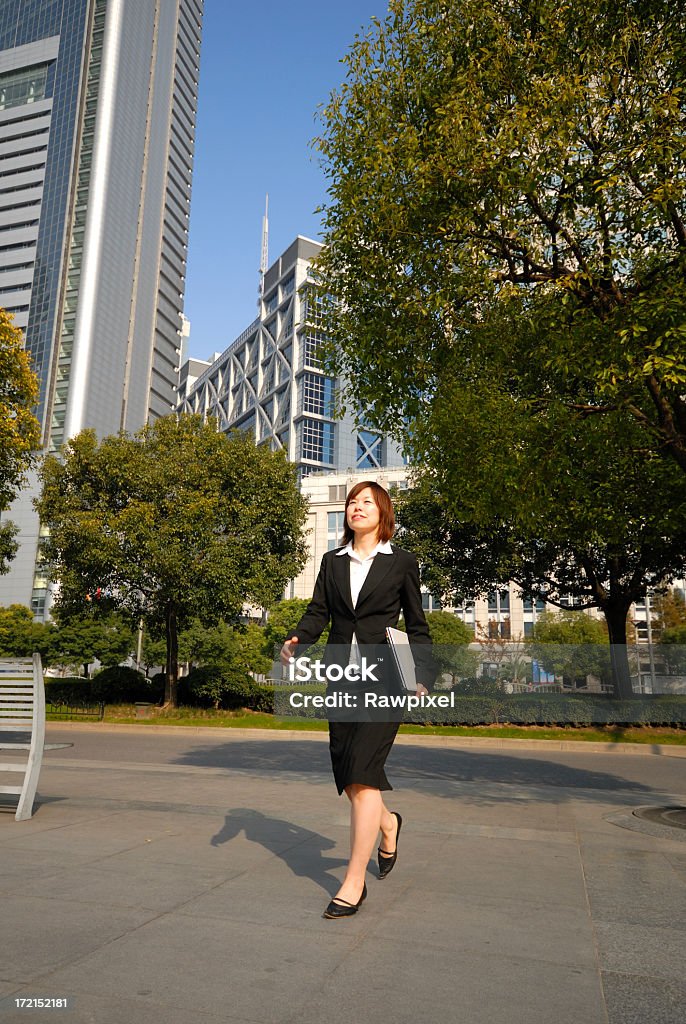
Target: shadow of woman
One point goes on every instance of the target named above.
(301, 849)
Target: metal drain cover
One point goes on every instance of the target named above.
(668, 822)
(673, 816)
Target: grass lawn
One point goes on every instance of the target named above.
(195, 717)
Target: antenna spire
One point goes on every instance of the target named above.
(264, 261)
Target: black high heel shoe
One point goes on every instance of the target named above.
(387, 863)
(343, 908)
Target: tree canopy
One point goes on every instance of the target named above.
(572, 645)
(450, 638)
(173, 523)
(20, 636)
(507, 182)
(590, 525)
(506, 249)
(19, 429)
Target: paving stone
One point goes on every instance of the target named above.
(636, 999)
(212, 965)
(46, 933)
(636, 949)
(380, 981)
(176, 877)
(488, 926)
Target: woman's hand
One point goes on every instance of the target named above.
(288, 650)
(421, 690)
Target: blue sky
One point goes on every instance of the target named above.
(265, 68)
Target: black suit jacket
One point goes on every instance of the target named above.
(391, 588)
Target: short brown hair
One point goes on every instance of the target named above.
(384, 505)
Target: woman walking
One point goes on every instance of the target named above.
(362, 588)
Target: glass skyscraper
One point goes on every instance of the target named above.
(271, 381)
(97, 125)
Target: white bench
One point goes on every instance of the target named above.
(22, 710)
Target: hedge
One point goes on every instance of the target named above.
(558, 709)
(118, 685)
(203, 688)
(553, 709)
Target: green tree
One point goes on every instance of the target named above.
(507, 181)
(451, 638)
(505, 246)
(251, 641)
(154, 650)
(572, 645)
(19, 429)
(174, 523)
(20, 636)
(602, 531)
(227, 647)
(673, 649)
(83, 639)
(668, 610)
(282, 619)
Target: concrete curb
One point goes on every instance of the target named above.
(404, 739)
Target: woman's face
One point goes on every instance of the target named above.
(363, 513)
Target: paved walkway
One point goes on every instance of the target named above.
(176, 878)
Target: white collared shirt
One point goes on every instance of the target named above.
(359, 570)
(359, 567)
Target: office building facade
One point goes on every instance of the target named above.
(271, 381)
(97, 126)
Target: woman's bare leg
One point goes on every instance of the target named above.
(389, 827)
(389, 830)
(366, 812)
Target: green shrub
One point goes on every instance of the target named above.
(123, 685)
(557, 709)
(75, 691)
(478, 686)
(210, 687)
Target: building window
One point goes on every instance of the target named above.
(334, 534)
(498, 602)
(318, 394)
(26, 86)
(337, 492)
(312, 307)
(288, 286)
(271, 303)
(465, 611)
(312, 349)
(431, 603)
(369, 450)
(288, 326)
(317, 441)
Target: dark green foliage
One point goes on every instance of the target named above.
(176, 523)
(93, 634)
(209, 687)
(506, 242)
(557, 709)
(19, 428)
(506, 182)
(76, 691)
(478, 686)
(20, 636)
(672, 648)
(282, 619)
(123, 685)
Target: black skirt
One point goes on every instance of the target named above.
(359, 751)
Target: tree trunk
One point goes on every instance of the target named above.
(172, 667)
(615, 613)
